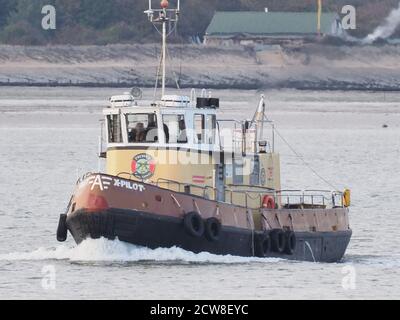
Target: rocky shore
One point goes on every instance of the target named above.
(312, 67)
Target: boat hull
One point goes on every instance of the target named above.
(160, 231)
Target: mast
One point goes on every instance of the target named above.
(165, 16)
(164, 56)
(319, 17)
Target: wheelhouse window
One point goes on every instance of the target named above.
(211, 128)
(142, 128)
(205, 128)
(199, 127)
(114, 128)
(175, 129)
(238, 172)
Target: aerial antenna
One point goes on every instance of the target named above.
(163, 16)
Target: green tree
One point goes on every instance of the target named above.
(6, 7)
(111, 21)
(97, 13)
(24, 23)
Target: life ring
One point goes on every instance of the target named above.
(291, 243)
(194, 224)
(278, 241)
(262, 245)
(213, 229)
(62, 230)
(268, 202)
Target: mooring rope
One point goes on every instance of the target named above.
(169, 57)
(298, 155)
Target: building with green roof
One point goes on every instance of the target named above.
(269, 27)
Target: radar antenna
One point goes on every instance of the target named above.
(137, 93)
(163, 16)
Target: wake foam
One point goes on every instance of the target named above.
(377, 261)
(103, 250)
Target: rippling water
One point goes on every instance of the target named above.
(48, 137)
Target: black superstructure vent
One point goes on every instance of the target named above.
(207, 103)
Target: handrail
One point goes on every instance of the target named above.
(124, 173)
(180, 184)
(242, 142)
(230, 120)
(289, 190)
(287, 195)
(284, 197)
(85, 176)
(237, 144)
(243, 121)
(249, 194)
(250, 186)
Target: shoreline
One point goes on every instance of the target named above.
(309, 67)
(301, 87)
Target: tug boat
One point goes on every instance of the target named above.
(177, 176)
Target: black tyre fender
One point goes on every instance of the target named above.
(278, 241)
(213, 229)
(194, 224)
(262, 246)
(62, 230)
(291, 242)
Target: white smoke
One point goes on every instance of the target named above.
(385, 30)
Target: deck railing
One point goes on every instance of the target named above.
(242, 140)
(305, 198)
(252, 197)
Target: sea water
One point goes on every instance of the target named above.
(49, 137)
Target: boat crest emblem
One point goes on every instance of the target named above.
(143, 166)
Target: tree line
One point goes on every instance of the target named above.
(123, 21)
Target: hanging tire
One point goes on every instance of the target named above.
(213, 229)
(278, 241)
(62, 230)
(262, 245)
(194, 224)
(291, 242)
